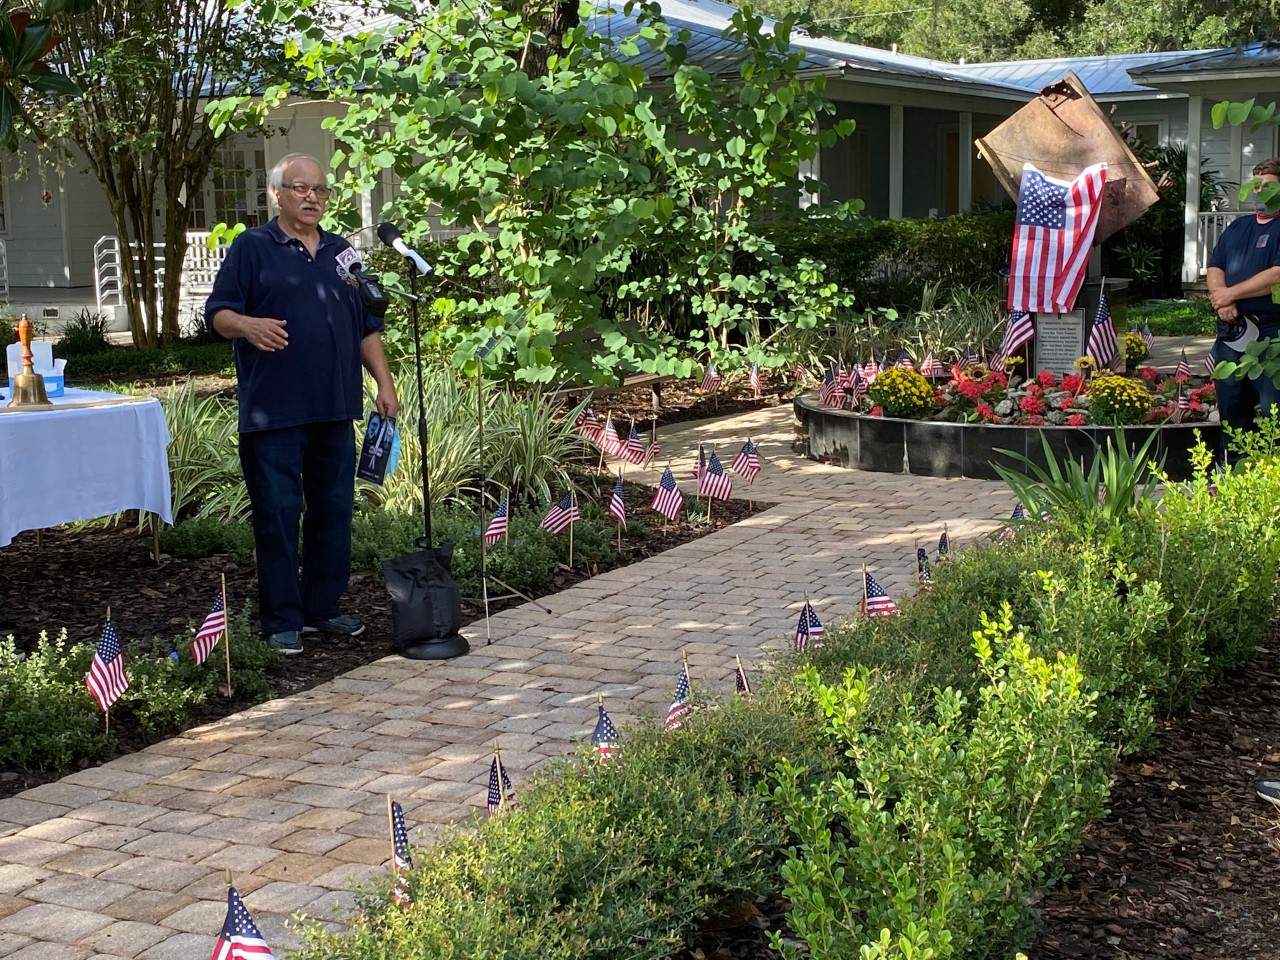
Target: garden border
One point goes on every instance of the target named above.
(931, 448)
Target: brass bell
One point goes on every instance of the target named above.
(28, 386)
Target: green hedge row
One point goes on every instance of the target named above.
(889, 262)
(910, 788)
(129, 363)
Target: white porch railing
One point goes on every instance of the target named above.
(199, 267)
(4, 273)
(1210, 230)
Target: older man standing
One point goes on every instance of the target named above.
(301, 334)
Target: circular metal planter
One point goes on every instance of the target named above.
(937, 449)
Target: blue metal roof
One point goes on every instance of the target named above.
(1100, 75)
(1264, 55)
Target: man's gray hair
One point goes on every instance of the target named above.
(275, 180)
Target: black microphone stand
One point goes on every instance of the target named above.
(425, 543)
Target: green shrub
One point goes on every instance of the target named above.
(85, 334)
(941, 830)
(198, 537)
(47, 718)
(144, 363)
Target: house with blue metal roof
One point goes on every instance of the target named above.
(911, 153)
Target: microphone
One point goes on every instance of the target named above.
(371, 294)
(390, 234)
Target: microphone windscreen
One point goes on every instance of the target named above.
(388, 233)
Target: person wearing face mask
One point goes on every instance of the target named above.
(1243, 269)
(301, 334)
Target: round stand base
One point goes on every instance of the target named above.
(446, 649)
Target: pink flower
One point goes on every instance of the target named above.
(1034, 389)
(1076, 420)
(877, 411)
(1046, 378)
(986, 411)
(1065, 403)
(969, 389)
(1073, 383)
(1149, 374)
(1034, 421)
(1031, 405)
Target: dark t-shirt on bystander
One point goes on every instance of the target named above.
(1248, 246)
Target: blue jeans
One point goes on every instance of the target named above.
(1239, 400)
(313, 464)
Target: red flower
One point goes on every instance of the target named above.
(1031, 405)
(1076, 420)
(969, 389)
(1073, 383)
(1065, 403)
(1149, 374)
(1000, 377)
(1034, 389)
(1034, 421)
(986, 411)
(877, 411)
(1046, 378)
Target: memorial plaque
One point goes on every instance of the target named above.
(1059, 341)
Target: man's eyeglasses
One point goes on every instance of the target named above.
(300, 190)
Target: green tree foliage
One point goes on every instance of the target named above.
(607, 209)
(981, 30)
(27, 39)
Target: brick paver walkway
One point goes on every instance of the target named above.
(127, 859)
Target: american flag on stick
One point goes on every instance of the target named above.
(870, 369)
(1148, 337)
(905, 361)
(667, 499)
(1017, 332)
(680, 707)
(562, 515)
(401, 861)
(610, 442)
(618, 509)
(831, 394)
(754, 380)
(500, 523)
(809, 629)
(633, 450)
(500, 794)
(1181, 405)
(106, 679)
(713, 482)
(1102, 334)
(1183, 373)
(604, 739)
(240, 938)
(711, 380)
(588, 425)
(1052, 235)
(923, 574)
(1209, 367)
(746, 463)
(210, 632)
(875, 602)
(702, 462)
(944, 544)
(740, 682)
(932, 366)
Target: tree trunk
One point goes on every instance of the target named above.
(553, 22)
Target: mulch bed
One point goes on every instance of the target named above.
(682, 401)
(1185, 867)
(71, 578)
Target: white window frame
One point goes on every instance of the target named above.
(1161, 123)
(253, 182)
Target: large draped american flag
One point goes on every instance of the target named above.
(1051, 238)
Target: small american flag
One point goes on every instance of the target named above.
(799, 373)
(1181, 406)
(746, 463)
(610, 442)
(617, 509)
(401, 861)
(633, 449)
(932, 367)
(944, 545)
(501, 793)
(809, 629)
(830, 393)
(240, 938)
(1102, 334)
(1148, 337)
(562, 515)
(499, 525)
(870, 370)
(1017, 332)
(588, 425)
(106, 679)
(680, 707)
(905, 361)
(967, 358)
(875, 602)
(214, 626)
(923, 574)
(604, 739)
(713, 482)
(1051, 238)
(1019, 512)
(667, 499)
(754, 379)
(1183, 373)
(702, 461)
(711, 380)
(1209, 366)
(740, 681)
(857, 389)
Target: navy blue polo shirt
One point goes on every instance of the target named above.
(1246, 248)
(317, 377)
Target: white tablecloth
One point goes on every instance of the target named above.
(62, 465)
